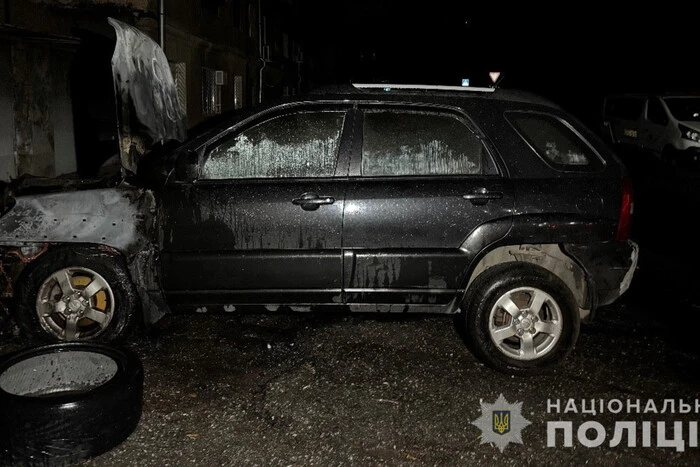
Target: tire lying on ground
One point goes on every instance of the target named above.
(64, 403)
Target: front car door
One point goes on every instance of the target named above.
(262, 222)
(654, 126)
(421, 180)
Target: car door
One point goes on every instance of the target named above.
(422, 180)
(654, 126)
(624, 114)
(262, 221)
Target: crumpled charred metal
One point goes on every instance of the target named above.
(147, 103)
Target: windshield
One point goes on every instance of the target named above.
(684, 108)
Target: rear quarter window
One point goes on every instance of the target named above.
(556, 142)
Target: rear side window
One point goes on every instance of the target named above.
(627, 108)
(302, 144)
(403, 142)
(555, 141)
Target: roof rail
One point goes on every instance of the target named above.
(424, 87)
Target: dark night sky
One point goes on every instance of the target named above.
(572, 54)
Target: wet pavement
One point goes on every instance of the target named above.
(304, 389)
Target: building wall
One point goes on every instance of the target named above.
(221, 36)
(8, 166)
(54, 132)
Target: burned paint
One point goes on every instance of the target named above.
(117, 217)
(147, 103)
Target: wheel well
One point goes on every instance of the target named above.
(548, 256)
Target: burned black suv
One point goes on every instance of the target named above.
(489, 203)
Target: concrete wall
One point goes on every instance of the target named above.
(8, 166)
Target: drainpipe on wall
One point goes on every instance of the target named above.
(260, 51)
(161, 24)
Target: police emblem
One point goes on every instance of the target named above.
(501, 422)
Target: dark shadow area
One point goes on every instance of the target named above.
(94, 107)
(665, 292)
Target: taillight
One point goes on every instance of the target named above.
(624, 227)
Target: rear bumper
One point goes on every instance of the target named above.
(609, 268)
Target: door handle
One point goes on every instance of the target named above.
(482, 196)
(311, 201)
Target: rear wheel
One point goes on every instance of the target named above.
(76, 294)
(520, 318)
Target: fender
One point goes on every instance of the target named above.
(536, 238)
(120, 220)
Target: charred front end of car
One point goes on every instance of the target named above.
(61, 244)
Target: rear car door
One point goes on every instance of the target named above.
(421, 180)
(262, 223)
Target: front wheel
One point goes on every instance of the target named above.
(76, 294)
(520, 318)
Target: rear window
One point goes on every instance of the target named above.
(555, 141)
(627, 108)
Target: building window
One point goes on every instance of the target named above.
(236, 13)
(179, 72)
(237, 92)
(212, 82)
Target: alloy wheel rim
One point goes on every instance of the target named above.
(525, 323)
(74, 304)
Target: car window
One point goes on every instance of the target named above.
(684, 109)
(555, 141)
(397, 142)
(301, 144)
(627, 108)
(656, 113)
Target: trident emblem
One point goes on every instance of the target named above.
(501, 421)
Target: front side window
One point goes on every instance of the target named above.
(684, 109)
(302, 144)
(555, 141)
(655, 113)
(421, 143)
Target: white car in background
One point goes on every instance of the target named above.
(666, 125)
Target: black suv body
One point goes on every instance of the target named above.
(493, 204)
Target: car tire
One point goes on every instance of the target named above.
(502, 329)
(55, 299)
(64, 403)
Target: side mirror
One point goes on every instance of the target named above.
(187, 166)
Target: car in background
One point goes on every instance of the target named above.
(490, 204)
(664, 125)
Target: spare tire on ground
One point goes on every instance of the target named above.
(64, 403)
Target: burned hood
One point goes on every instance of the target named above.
(148, 109)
